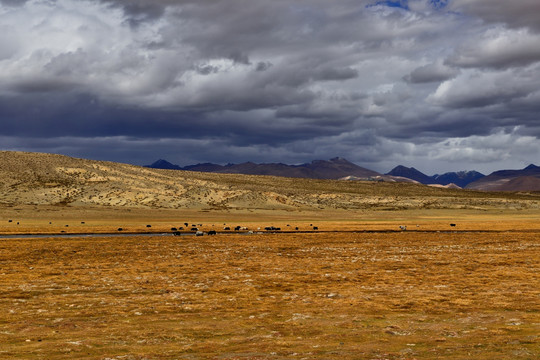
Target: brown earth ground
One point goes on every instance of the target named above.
(466, 292)
(356, 288)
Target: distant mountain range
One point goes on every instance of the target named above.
(318, 169)
(461, 178)
(527, 179)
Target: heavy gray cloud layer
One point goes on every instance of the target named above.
(515, 14)
(439, 85)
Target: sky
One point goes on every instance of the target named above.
(440, 85)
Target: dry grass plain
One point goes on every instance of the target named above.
(47, 219)
(358, 288)
(343, 294)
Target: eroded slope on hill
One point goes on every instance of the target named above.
(33, 178)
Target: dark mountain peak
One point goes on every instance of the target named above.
(532, 167)
(163, 164)
(404, 169)
(459, 174)
(339, 160)
(460, 178)
(334, 168)
(333, 162)
(411, 173)
(204, 167)
(401, 168)
(469, 173)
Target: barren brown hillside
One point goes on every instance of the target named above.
(47, 179)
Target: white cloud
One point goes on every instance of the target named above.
(498, 48)
(496, 147)
(480, 89)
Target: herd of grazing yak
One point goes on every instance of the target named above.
(238, 228)
(195, 229)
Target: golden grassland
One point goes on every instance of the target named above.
(47, 219)
(431, 292)
(356, 288)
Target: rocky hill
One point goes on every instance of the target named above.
(46, 179)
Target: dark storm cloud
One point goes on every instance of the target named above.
(516, 14)
(235, 80)
(431, 73)
(138, 11)
(41, 86)
(13, 2)
(82, 115)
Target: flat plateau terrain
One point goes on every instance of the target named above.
(345, 294)
(341, 280)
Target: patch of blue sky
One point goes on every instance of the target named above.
(402, 4)
(438, 4)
